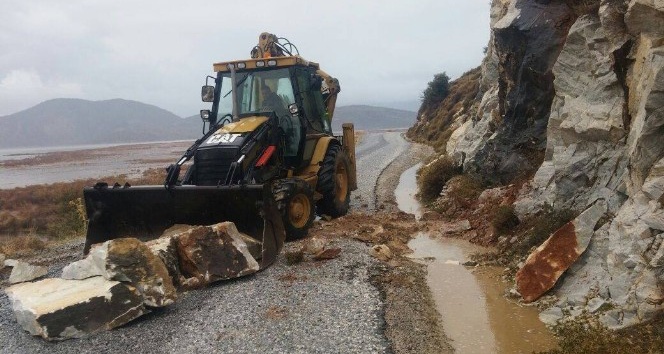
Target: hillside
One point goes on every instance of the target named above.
(564, 117)
(61, 122)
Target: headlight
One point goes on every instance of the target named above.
(260, 64)
(271, 63)
(241, 65)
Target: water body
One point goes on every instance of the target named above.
(476, 315)
(64, 164)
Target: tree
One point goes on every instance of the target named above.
(436, 90)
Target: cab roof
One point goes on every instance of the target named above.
(259, 63)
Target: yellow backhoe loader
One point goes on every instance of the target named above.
(268, 160)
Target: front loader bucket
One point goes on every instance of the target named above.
(145, 212)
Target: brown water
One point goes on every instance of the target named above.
(476, 315)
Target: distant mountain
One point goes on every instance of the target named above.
(64, 121)
(370, 117)
(68, 122)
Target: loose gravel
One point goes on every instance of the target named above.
(310, 307)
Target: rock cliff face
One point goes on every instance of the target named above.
(572, 100)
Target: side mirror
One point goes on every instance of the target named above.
(207, 93)
(293, 109)
(205, 115)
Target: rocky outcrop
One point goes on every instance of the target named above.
(57, 309)
(131, 261)
(572, 102)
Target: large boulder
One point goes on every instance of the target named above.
(57, 309)
(548, 262)
(211, 253)
(127, 260)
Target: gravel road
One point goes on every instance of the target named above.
(310, 307)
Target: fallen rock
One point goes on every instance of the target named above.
(551, 316)
(328, 253)
(382, 252)
(127, 260)
(314, 246)
(548, 262)
(463, 225)
(10, 262)
(212, 253)
(166, 249)
(2, 260)
(23, 272)
(57, 309)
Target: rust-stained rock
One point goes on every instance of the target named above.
(127, 260)
(328, 253)
(548, 262)
(57, 309)
(212, 253)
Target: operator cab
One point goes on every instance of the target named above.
(290, 89)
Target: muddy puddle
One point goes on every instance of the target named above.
(476, 315)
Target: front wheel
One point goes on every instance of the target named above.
(333, 183)
(295, 199)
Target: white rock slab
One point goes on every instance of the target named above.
(58, 309)
(22, 272)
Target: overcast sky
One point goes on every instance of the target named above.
(159, 52)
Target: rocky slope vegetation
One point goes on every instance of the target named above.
(569, 108)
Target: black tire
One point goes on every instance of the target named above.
(333, 183)
(295, 200)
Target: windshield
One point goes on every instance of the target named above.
(258, 91)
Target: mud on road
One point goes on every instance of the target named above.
(354, 303)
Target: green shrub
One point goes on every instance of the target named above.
(504, 219)
(436, 90)
(533, 231)
(433, 176)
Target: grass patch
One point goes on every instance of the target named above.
(21, 244)
(432, 177)
(504, 219)
(56, 210)
(579, 337)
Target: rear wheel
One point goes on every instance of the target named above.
(333, 183)
(295, 199)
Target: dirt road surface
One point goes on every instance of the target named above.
(351, 304)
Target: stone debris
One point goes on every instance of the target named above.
(548, 262)
(10, 262)
(165, 248)
(119, 278)
(2, 261)
(22, 272)
(456, 227)
(551, 316)
(326, 254)
(58, 309)
(128, 260)
(381, 252)
(214, 253)
(313, 246)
